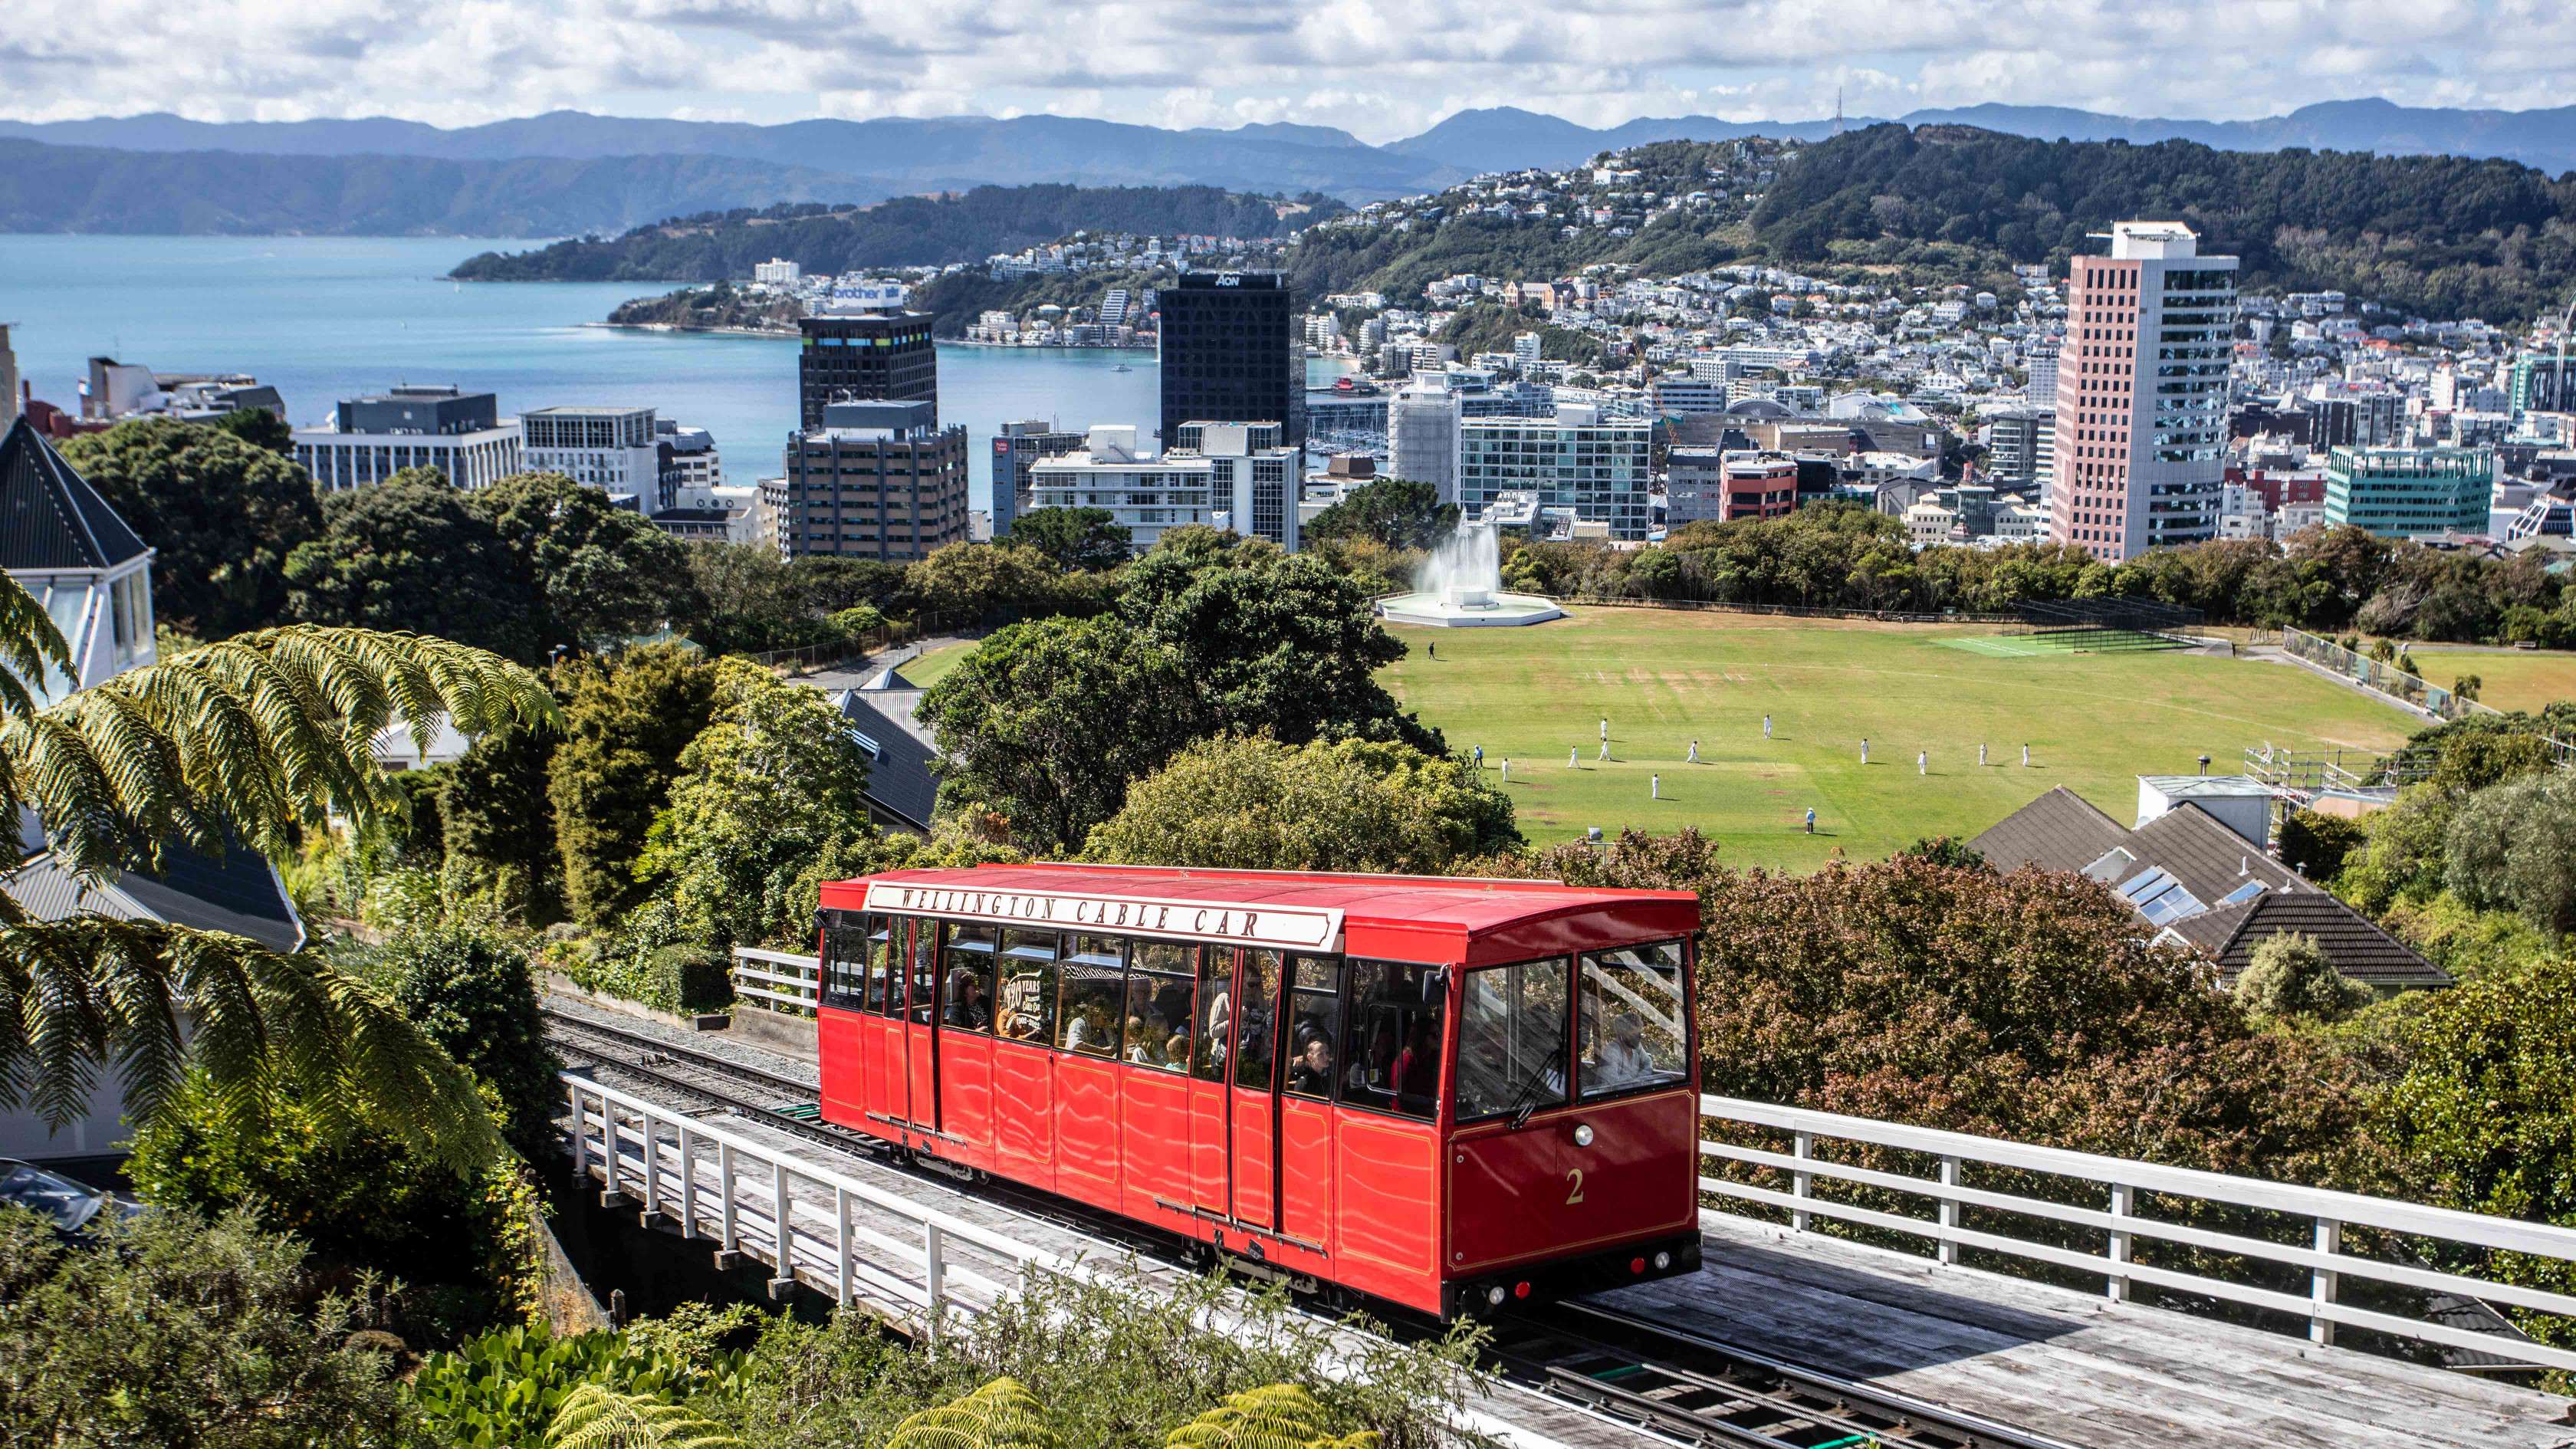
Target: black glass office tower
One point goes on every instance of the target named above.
(1231, 353)
(866, 357)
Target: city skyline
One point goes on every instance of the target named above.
(1380, 75)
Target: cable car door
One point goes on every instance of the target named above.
(1253, 1137)
(921, 1079)
(1211, 1090)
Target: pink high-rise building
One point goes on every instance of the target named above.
(2142, 394)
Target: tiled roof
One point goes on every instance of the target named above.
(2356, 945)
(50, 518)
(900, 781)
(2058, 831)
(2062, 831)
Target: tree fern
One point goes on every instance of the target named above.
(594, 1417)
(1000, 1415)
(1275, 1416)
(233, 744)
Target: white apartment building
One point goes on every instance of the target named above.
(2142, 394)
(777, 272)
(612, 449)
(1524, 348)
(1577, 460)
(415, 426)
(1687, 396)
(1226, 475)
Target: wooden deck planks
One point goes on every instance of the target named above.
(2072, 1366)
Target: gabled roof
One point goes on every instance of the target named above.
(238, 891)
(50, 518)
(900, 781)
(2237, 896)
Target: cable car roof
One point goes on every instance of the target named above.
(1289, 909)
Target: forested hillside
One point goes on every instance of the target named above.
(907, 231)
(85, 189)
(2438, 235)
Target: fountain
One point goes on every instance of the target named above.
(1461, 587)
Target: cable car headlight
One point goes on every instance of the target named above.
(1583, 1135)
(1495, 1295)
(1663, 1261)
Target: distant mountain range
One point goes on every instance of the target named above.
(701, 164)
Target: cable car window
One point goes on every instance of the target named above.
(1635, 1022)
(885, 966)
(1391, 1053)
(1025, 996)
(925, 970)
(966, 995)
(1215, 1036)
(841, 961)
(1160, 976)
(1091, 978)
(1314, 1024)
(1511, 1039)
(1254, 1040)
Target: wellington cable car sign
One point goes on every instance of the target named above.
(1289, 928)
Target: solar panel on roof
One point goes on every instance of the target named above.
(2243, 893)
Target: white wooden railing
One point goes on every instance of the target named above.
(2120, 1181)
(779, 981)
(755, 1200)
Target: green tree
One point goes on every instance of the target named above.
(2513, 847)
(967, 582)
(625, 724)
(601, 573)
(1275, 1416)
(413, 553)
(500, 823)
(2485, 1113)
(174, 1332)
(1269, 641)
(260, 428)
(1396, 512)
(2316, 846)
(1046, 722)
(1078, 540)
(221, 514)
(472, 992)
(2289, 977)
(770, 782)
(597, 1417)
(1255, 804)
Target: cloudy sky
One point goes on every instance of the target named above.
(1379, 68)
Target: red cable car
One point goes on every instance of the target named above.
(1449, 1094)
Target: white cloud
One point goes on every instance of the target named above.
(1375, 68)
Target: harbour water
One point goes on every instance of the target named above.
(322, 318)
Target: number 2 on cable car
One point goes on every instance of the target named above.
(1574, 1175)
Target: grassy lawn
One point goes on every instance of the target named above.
(2093, 723)
(927, 670)
(2510, 678)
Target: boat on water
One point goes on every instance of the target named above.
(1122, 367)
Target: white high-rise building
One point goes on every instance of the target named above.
(1524, 348)
(1422, 436)
(777, 272)
(2142, 394)
(1228, 475)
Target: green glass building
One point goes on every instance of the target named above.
(2410, 492)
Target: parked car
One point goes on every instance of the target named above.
(73, 1205)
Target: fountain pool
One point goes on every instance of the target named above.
(1461, 587)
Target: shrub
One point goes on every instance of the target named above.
(692, 978)
(173, 1330)
(2289, 976)
(466, 1251)
(505, 1388)
(472, 992)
